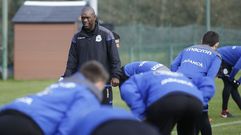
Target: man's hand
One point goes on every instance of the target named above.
(115, 82)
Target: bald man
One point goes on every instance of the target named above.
(94, 42)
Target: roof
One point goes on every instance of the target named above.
(49, 12)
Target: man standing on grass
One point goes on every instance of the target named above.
(231, 64)
(94, 42)
(198, 62)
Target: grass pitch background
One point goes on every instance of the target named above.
(11, 89)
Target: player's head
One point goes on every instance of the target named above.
(95, 73)
(117, 39)
(211, 38)
(88, 18)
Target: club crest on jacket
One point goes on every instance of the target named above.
(98, 38)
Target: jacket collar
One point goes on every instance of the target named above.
(205, 46)
(80, 79)
(85, 33)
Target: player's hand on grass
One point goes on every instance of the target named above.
(115, 82)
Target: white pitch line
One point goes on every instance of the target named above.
(226, 124)
(217, 125)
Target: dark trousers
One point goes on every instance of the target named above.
(229, 88)
(203, 125)
(176, 108)
(124, 127)
(16, 123)
(107, 95)
(123, 76)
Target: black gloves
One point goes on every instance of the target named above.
(236, 83)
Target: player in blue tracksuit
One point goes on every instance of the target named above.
(165, 98)
(200, 61)
(111, 121)
(54, 110)
(138, 67)
(231, 64)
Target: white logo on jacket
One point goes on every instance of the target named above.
(81, 37)
(193, 62)
(98, 38)
(26, 100)
(168, 73)
(199, 50)
(175, 80)
(157, 66)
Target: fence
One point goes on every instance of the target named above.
(141, 42)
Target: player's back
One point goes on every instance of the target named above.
(100, 116)
(138, 67)
(196, 60)
(47, 108)
(155, 84)
(230, 54)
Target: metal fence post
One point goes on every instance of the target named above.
(208, 15)
(4, 39)
(171, 54)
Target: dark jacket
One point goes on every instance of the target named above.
(97, 45)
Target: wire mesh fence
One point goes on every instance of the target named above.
(141, 42)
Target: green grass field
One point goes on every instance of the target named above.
(11, 89)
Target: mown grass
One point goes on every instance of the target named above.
(12, 89)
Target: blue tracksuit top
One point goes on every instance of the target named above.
(138, 67)
(232, 55)
(197, 61)
(94, 119)
(56, 109)
(141, 90)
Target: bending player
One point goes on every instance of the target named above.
(231, 64)
(164, 98)
(197, 62)
(56, 108)
(138, 67)
(111, 121)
